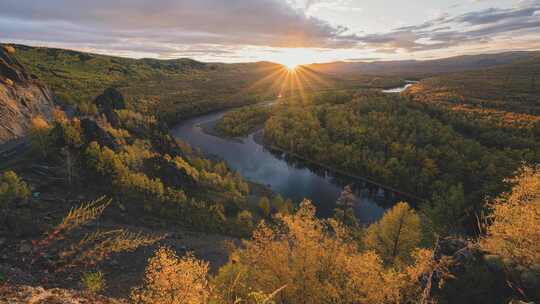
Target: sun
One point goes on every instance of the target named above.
(291, 66)
(292, 58)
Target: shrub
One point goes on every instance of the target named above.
(39, 132)
(12, 188)
(9, 49)
(93, 282)
(89, 249)
(173, 280)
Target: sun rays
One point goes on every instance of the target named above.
(288, 80)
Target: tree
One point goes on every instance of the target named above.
(12, 188)
(39, 131)
(264, 206)
(244, 221)
(514, 232)
(513, 235)
(346, 198)
(447, 211)
(344, 211)
(395, 235)
(172, 280)
(315, 262)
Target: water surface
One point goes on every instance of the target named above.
(402, 88)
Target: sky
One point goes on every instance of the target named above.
(285, 31)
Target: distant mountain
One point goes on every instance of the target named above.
(417, 69)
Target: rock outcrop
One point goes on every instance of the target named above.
(21, 97)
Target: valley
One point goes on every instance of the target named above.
(261, 171)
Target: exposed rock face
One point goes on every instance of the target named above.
(21, 97)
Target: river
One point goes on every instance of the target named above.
(290, 177)
(400, 89)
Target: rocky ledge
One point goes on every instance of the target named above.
(22, 97)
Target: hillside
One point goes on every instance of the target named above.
(172, 89)
(419, 69)
(498, 106)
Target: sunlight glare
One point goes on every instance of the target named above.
(290, 66)
(293, 57)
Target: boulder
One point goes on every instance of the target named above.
(110, 100)
(95, 132)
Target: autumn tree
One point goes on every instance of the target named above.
(38, 132)
(514, 232)
(170, 279)
(316, 263)
(395, 235)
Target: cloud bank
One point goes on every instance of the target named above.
(469, 28)
(166, 24)
(223, 28)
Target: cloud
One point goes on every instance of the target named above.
(272, 23)
(446, 31)
(222, 29)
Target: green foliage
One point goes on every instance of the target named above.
(447, 210)
(281, 205)
(395, 142)
(395, 235)
(39, 135)
(12, 188)
(244, 222)
(264, 207)
(243, 121)
(93, 282)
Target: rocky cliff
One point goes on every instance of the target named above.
(21, 97)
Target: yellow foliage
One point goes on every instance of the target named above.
(93, 282)
(396, 235)
(39, 123)
(173, 280)
(39, 130)
(313, 259)
(515, 230)
(9, 49)
(96, 247)
(84, 213)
